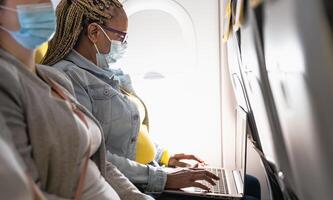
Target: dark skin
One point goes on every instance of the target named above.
(94, 35)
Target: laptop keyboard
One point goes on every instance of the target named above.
(221, 185)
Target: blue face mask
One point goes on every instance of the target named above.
(117, 51)
(37, 24)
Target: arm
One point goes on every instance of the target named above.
(14, 183)
(124, 188)
(53, 197)
(12, 108)
(163, 157)
(175, 180)
(153, 179)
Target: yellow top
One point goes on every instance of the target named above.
(40, 52)
(145, 148)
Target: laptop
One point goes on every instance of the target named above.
(231, 183)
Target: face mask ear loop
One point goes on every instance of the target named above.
(3, 28)
(9, 9)
(98, 56)
(96, 48)
(104, 33)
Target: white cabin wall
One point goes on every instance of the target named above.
(176, 44)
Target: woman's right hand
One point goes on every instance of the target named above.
(189, 178)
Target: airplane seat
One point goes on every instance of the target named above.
(234, 61)
(261, 102)
(254, 164)
(328, 6)
(248, 69)
(298, 60)
(255, 13)
(235, 68)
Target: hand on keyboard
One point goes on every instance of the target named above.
(175, 161)
(190, 178)
(221, 185)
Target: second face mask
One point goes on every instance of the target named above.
(116, 52)
(37, 24)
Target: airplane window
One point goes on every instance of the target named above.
(173, 60)
(163, 34)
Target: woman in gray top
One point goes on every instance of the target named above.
(87, 31)
(14, 183)
(59, 141)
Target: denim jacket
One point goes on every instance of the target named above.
(99, 91)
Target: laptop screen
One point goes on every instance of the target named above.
(240, 146)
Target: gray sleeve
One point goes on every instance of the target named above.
(53, 197)
(152, 179)
(57, 76)
(11, 107)
(5, 134)
(124, 188)
(14, 183)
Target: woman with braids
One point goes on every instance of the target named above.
(59, 141)
(90, 35)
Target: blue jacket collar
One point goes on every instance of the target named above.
(86, 64)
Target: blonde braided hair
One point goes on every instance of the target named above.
(72, 16)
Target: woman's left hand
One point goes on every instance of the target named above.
(175, 161)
